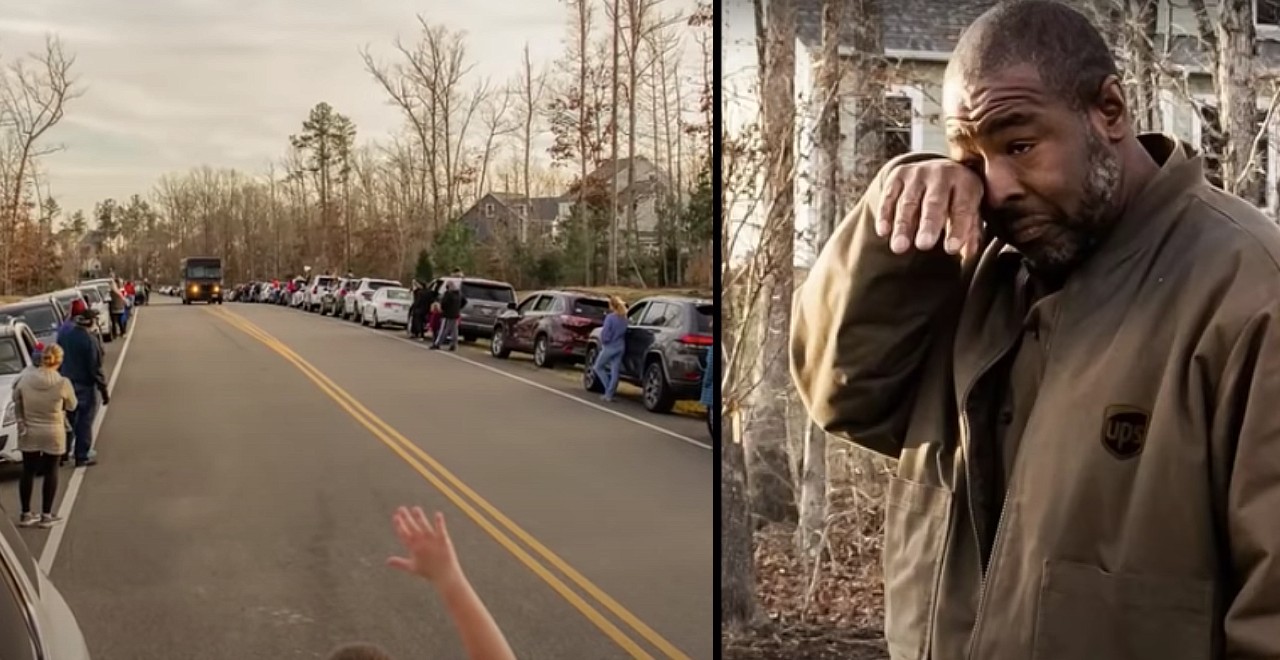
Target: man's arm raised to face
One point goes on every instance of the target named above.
(865, 319)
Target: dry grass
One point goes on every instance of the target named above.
(4, 300)
(836, 611)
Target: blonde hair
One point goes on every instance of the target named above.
(52, 357)
(617, 305)
(435, 307)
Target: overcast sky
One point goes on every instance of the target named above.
(175, 84)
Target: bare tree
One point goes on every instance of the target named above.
(34, 92)
(1229, 36)
(813, 478)
(532, 86)
(769, 467)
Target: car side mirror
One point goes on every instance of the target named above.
(511, 305)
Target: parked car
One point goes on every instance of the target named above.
(552, 325)
(667, 339)
(388, 306)
(65, 297)
(17, 348)
(42, 316)
(483, 300)
(35, 618)
(93, 296)
(331, 301)
(315, 289)
(354, 302)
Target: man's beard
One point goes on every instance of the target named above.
(1073, 238)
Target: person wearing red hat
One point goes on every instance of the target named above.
(78, 307)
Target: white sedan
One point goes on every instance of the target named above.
(388, 306)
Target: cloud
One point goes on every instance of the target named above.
(175, 84)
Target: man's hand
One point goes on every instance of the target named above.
(920, 200)
(431, 553)
(106, 396)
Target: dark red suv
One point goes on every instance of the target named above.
(553, 325)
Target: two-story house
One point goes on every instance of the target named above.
(918, 38)
(650, 188)
(501, 216)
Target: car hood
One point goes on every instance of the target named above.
(61, 630)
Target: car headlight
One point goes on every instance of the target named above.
(10, 415)
(216, 288)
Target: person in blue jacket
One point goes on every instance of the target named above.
(613, 346)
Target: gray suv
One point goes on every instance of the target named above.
(483, 301)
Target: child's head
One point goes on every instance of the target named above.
(359, 651)
(435, 307)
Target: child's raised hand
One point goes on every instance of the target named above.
(431, 554)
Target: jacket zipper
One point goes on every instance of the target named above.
(1004, 503)
(967, 434)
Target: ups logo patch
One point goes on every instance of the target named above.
(1124, 430)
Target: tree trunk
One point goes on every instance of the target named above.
(813, 477)
(769, 467)
(869, 63)
(581, 208)
(737, 565)
(612, 275)
(1237, 98)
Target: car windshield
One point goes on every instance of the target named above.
(204, 271)
(42, 319)
(398, 294)
(10, 357)
(325, 281)
(488, 292)
(91, 294)
(592, 309)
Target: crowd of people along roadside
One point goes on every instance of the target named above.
(57, 401)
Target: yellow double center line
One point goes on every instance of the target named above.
(459, 493)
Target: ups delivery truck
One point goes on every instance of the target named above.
(202, 280)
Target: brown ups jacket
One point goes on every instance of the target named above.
(1091, 473)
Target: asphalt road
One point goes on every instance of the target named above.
(251, 459)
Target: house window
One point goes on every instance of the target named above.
(488, 210)
(898, 117)
(1267, 13)
(520, 209)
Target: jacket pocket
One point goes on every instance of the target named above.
(916, 521)
(1086, 612)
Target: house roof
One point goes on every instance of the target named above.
(916, 25)
(934, 26)
(540, 208)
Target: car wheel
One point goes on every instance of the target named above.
(589, 381)
(498, 346)
(657, 393)
(376, 323)
(542, 353)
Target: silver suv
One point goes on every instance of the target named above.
(316, 288)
